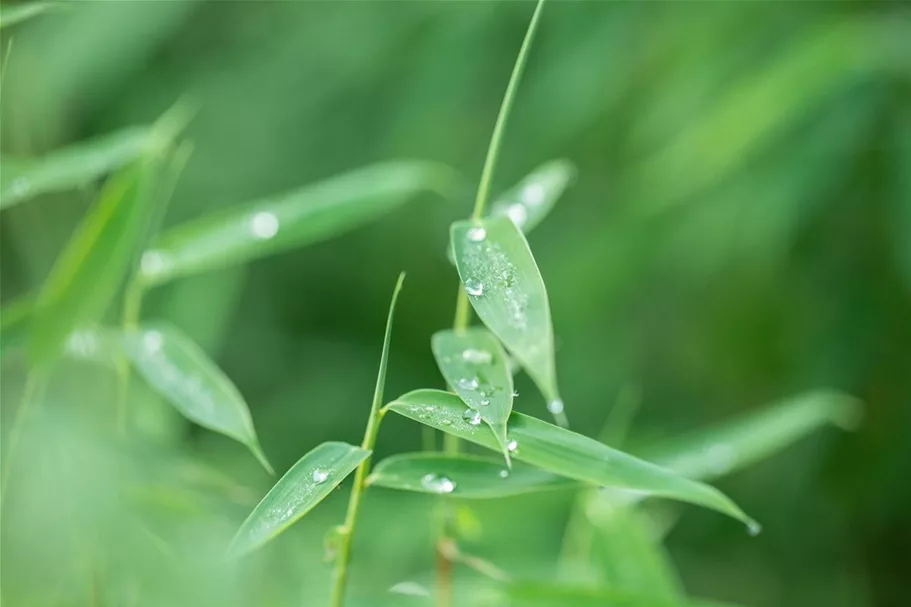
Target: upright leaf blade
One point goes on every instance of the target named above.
(463, 476)
(305, 485)
(505, 287)
(564, 452)
(89, 271)
(294, 219)
(529, 201)
(475, 365)
(179, 370)
(718, 450)
(72, 166)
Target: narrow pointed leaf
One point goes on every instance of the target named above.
(729, 446)
(506, 289)
(537, 594)
(529, 202)
(89, 271)
(305, 485)
(564, 452)
(463, 476)
(473, 362)
(278, 223)
(181, 372)
(71, 167)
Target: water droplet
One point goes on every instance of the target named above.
(484, 402)
(518, 213)
(289, 512)
(515, 393)
(82, 343)
(754, 528)
(504, 473)
(320, 475)
(152, 340)
(472, 416)
(21, 186)
(468, 383)
(555, 406)
(437, 483)
(153, 263)
(476, 234)
(474, 287)
(264, 225)
(512, 445)
(477, 357)
(533, 194)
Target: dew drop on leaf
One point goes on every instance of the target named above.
(472, 417)
(320, 475)
(512, 445)
(477, 357)
(504, 473)
(474, 287)
(555, 406)
(468, 383)
(476, 234)
(438, 483)
(264, 225)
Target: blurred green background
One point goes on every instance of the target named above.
(740, 230)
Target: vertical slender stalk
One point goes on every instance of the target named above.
(340, 575)
(463, 310)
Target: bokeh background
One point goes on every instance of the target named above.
(740, 230)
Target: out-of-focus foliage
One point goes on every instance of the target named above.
(738, 231)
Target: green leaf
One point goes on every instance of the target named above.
(71, 167)
(11, 15)
(506, 289)
(564, 452)
(475, 365)
(542, 594)
(464, 476)
(294, 219)
(89, 271)
(14, 322)
(718, 450)
(305, 485)
(179, 370)
(529, 202)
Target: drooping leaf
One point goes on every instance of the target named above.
(464, 476)
(11, 15)
(529, 202)
(564, 452)
(305, 485)
(180, 371)
(542, 594)
(475, 365)
(89, 271)
(71, 167)
(278, 223)
(506, 289)
(732, 445)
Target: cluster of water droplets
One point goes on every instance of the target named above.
(491, 270)
(438, 483)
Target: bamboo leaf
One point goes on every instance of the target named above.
(294, 219)
(464, 476)
(537, 594)
(732, 445)
(565, 453)
(181, 372)
(529, 201)
(305, 485)
(505, 287)
(71, 167)
(88, 273)
(475, 365)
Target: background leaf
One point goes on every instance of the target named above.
(294, 219)
(89, 271)
(505, 287)
(302, 487)
(71, 167)
(463, 476)
(528, 202)
(474, 364)
(537, 594)
(564, 452)
(179, 370)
